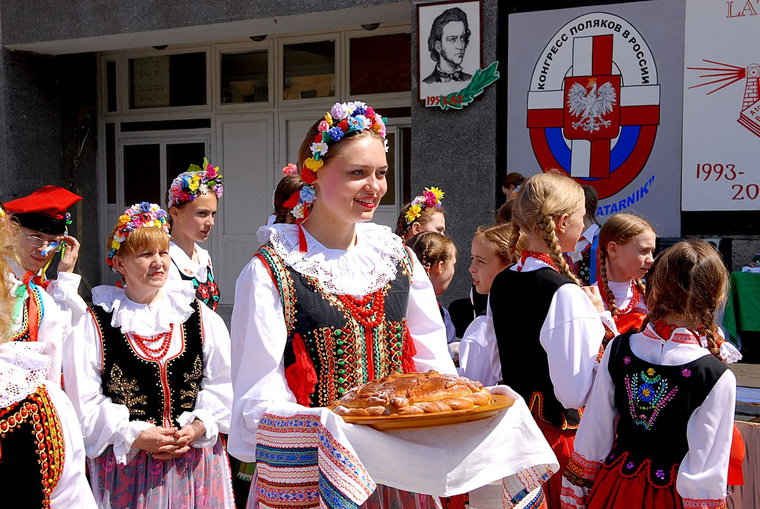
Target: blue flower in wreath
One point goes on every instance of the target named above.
(646, 393)
(336, 134)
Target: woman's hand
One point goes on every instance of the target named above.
(190, 432)
(595, 296)
(158, 441)
(182, 439)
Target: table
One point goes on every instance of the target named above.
(743, 307)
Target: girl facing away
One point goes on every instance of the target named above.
(582, 260)
(438, 254)
(657, 428)
(192, 201)
(478, 352)
(423, 214)
(626, 244)
(547, 327)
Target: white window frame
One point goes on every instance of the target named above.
(221, 49)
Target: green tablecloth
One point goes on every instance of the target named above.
(743, 307)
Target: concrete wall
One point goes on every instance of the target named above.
(456, 151)
(44, 100)
(28, 22)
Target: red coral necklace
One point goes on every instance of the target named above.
(155, 354)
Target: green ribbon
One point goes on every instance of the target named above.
(21, 295)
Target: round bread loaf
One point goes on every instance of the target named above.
(413, 393)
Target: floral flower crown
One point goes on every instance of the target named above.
(342, 119)
(140, 215)
(430, 197)
(196, 180)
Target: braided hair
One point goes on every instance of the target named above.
(620, 229)
(431, 248)
(690, 281)
(541, 199)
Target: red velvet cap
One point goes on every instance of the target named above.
(44, 210)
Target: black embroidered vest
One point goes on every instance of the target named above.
(346, 347)
(517, 320)
(207, 292)
(655, 404)
(33, 450)
(152, 393)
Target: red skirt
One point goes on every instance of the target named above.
(611, 490)
(561, 442)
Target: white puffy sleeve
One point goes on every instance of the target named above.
(703, 473)
(103, 422)
(478, 353)
(72, 489)
(571, 335)
(213, 404)
(259, 335)
(594, 439)
(426, 325)
(65, 292)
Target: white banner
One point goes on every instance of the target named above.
(721, 128)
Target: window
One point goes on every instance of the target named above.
(245, 77)
(381, 64)
(309, 70)
(167, 80)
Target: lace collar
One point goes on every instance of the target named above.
(186, 265)
(364, 268)
(23, 368)
(173, 306)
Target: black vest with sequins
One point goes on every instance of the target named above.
(655, 403)
(345, 348)
(152, 392)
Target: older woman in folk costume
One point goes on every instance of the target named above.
(43, 310)
(330, 302)
(192, 202)
(151, 384)
(41, 450)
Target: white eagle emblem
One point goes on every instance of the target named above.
(591, 106)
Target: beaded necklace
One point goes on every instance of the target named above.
(154, 354)
(369, 315)
(544, 257)
(634, 302)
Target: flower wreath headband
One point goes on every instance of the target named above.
(140, 215)
(196, 180)
(342, 119)
(430, 197)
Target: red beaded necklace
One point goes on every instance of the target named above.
(544, 257)
(634, 302)
(155, 354)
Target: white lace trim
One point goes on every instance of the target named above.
(364, 268)
(23, 368)
(173, 306)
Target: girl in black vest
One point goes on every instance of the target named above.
(658, 424)
(547, 327)
(150, 380)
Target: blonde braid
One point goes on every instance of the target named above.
(606, 292)
(514, 238)
(555, 249)
(641, 285)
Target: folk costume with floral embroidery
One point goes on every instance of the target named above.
(658, 426)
